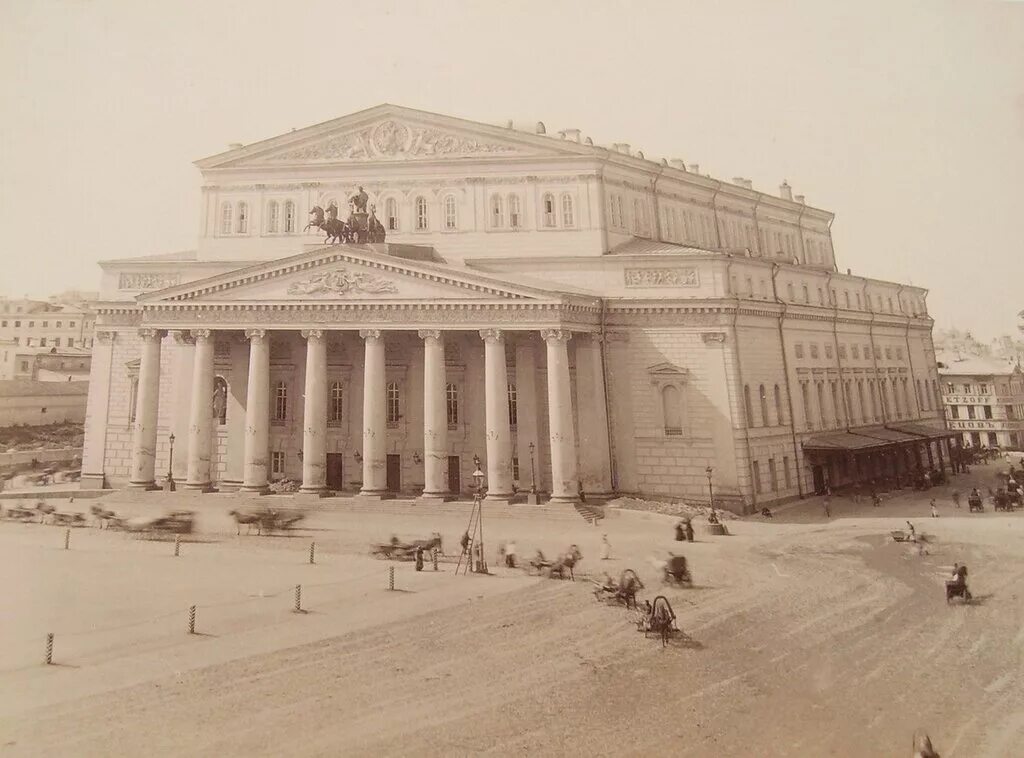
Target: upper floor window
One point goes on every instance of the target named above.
(273, 217)
(59, 324)
(515, 212)
(280, 401)
(133, 395)
(513, 405)
(243, 218)
(747, 406)
(226, 215)
(859, 306)
(764, 405)
(70, 324)
(798, 350)
(846, 299)
(821, 297)
(422, 218)
(814, 349)
(549, 210)
(46, 324)
(337, 398)
(289, 217)
(393, 404)
(42, 342)
(451, 393)
(451, 216)
(672, 410)
(497, 212)
(568, 218)
(780, 416)
(807, 294)
(391, 214)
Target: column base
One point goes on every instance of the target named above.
(149, 486)
(434, 498)
(374, 495)
(254, 489)
(316, 492)
(501, 499)
(199, 486)
(93, 481)
(567, 499)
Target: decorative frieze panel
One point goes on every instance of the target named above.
(148, 281)
(341, 282)
(661, 277)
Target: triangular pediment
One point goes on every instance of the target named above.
(390, 133)
(666, 369)
(346, 273)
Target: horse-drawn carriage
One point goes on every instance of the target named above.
(17, 513)
(558, 567)
(622, 592)
(175, 522)
(975, 504)
(677, 572)
(266, 520)
(658, 618)
(406, 551)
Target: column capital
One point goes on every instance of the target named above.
(493, 336)
(202, 334)
(430, 334)
(370, 334)
(256, 334)
(106, 337)
(312, 334)
(556, 335)
(152, 334)
(184, 337)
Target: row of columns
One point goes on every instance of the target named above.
(592, 420)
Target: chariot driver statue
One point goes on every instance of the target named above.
(332, 211)
(359, 201)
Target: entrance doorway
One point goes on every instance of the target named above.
(818, 473)
(454, 475)
(335, 472)
(394, 473)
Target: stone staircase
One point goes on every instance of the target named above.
(591, 513)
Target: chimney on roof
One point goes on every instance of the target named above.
(738, 181)
(640, 154)
(678, 163)
(748, 184)
(785, 191)
(621, 147)
(235, 146)
(800, 199)
(508, 124)
(694, 168)
(540, 128)
(849, 272)
(588, 141)
(572, 134)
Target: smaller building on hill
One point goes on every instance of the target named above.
(984, 400)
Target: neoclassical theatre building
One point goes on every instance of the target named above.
(578, 316)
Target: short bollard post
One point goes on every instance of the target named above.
(67, 538)
(298, 598)
(312, 552)
(391, 577)
(433, 555)
(49, 648)
(177, 544)
(191, 619)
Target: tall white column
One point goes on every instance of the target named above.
(499, 434)
(435, 415)
(184, 365)
(374, 418)
(592, 410)
(147, 403)
(97, 410)
(564, 485)
(314, 415)
(200, 426)
(255, 467)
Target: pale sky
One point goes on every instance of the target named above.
(906, 119)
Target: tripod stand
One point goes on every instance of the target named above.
(475, 531)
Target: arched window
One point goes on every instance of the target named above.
(568, 217)
(391, 214)
(846, 299)
(515, 212)
(422, 219)
(133, 398)
(451, 216)
(226, 214)
(747, 405)
(280, 401)
(513, 405)
(497, 212)
(764, 405)
(549, 210)
(220, 400)
(273, 220)
(451, 394)
(790, 292)
(243, 218)
(289, 217)
(337, 396)
(672, 410)
(394, 408)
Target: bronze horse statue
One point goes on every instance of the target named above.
(333, 227)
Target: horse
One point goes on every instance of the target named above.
(104, 517)
(334, 228)
(248, 519)
(428, 545)
(566, 561)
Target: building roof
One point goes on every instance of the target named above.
(957, 364)
(29, 388)
(640, 246)
(57, 352)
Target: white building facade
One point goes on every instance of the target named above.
(984, 399)
(577, 316)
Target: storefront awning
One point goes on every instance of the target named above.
(922, 430)
(886, 434)
(842, 441)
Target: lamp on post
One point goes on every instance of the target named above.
(478, 481)
(532, 498)
(170, 486)
(711, 492)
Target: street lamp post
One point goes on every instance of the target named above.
(532, 499)
(478, 480)
(711, 491)
(170, 464)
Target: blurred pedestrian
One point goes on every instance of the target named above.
(935, 511)
(606, 548)
(956, 498)
(510, 554)
(419, 558)
(825, 504)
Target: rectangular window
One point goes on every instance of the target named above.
(888, 353)
(878, 352)
(277, 463)
(855, 351)
(452, 404)
(970, 411)
(967, 389)
(828, 350)
(71, 324)
(59, 325)
(988, 411)
(337, 398)
(46, 324)
(31, 324)
(280, 402)
(798, 350)
(393, 405)
(513, 405)
(899, 353)
(56, 341)
(773, 475)
(983, 389)
(515, 468)
(842, 351)
(785, 472)
(24, 366)
(42, 342)
(755, 470)
(954, 411)
(814, 350)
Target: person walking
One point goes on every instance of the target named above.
(606, 548)
(419, 559)
(935, 511)
(956, 498)
(825, 504)
(510, 554)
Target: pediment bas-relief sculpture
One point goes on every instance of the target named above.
(340, 282)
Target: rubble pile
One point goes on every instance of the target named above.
(693, 510)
